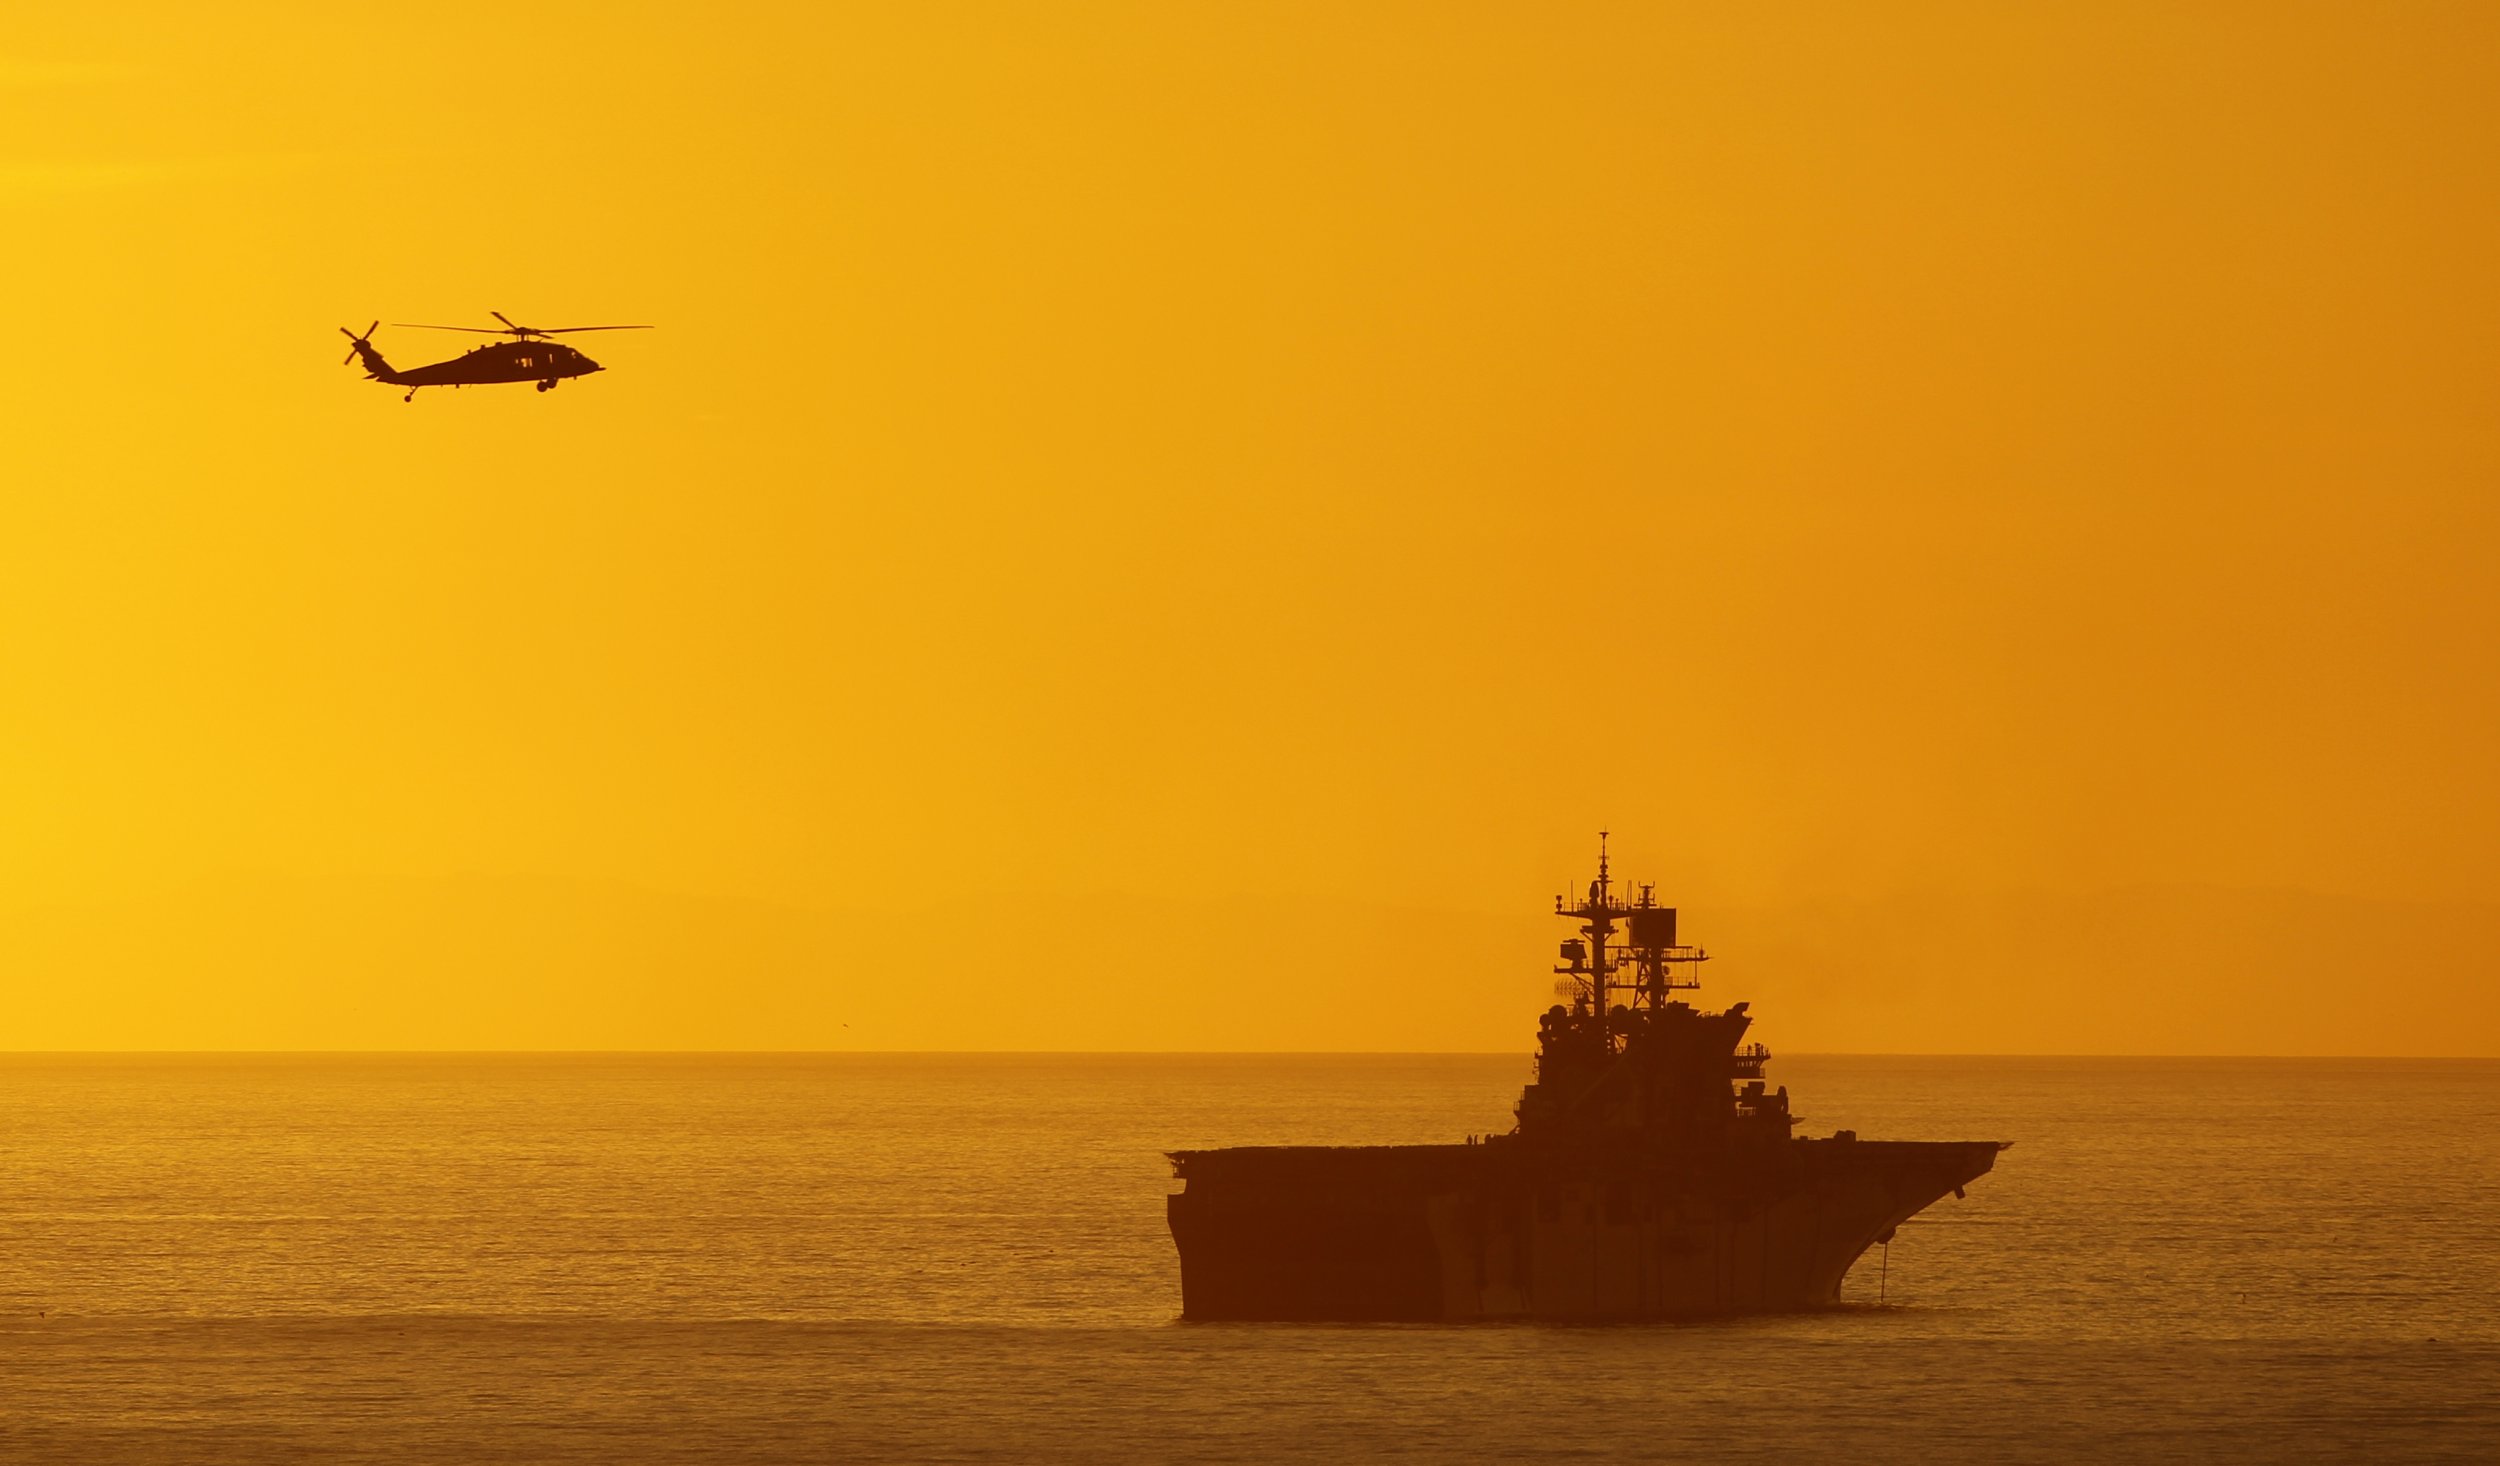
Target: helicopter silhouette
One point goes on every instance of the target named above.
(528, 357)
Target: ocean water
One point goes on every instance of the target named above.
(850, 1258)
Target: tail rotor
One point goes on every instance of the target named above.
(357, 343)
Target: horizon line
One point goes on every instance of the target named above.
(589, 1053)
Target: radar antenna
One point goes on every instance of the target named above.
(1650, 964)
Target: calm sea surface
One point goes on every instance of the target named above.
(632, 1259)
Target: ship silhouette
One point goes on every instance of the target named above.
(1652, 1174)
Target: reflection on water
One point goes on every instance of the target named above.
(964, 1257)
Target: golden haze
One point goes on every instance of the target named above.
(1157, 526)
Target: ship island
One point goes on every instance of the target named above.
(1651, 1174)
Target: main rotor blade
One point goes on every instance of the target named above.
(509, 329)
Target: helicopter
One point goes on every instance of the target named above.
(528, 357)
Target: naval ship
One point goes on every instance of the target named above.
(1652, 1174)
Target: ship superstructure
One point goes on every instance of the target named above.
(1652, 1173)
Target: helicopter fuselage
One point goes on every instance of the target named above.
(501, 361)
(543, 362)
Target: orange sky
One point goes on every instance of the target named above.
(1294, 467)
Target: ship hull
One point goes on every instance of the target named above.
(1504, 1231)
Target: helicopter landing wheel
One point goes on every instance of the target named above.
(546, 386)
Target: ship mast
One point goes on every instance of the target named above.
(1657, 962)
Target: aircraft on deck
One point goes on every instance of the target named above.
(528, 357)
